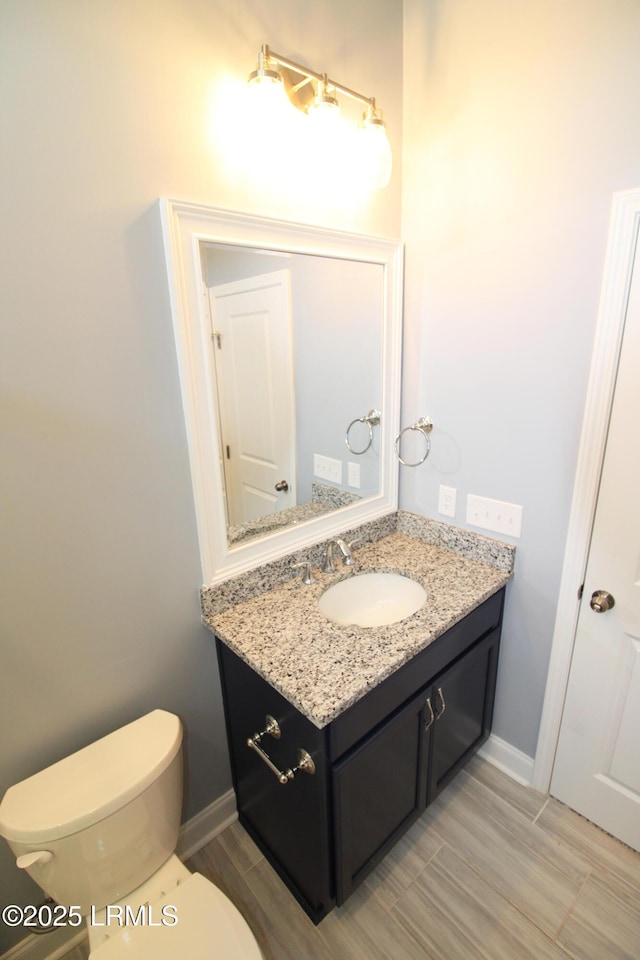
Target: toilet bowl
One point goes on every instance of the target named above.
(98, 830)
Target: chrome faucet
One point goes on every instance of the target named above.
(328, 565)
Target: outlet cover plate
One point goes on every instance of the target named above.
(447, 501)
(495, 515)
(353, 475)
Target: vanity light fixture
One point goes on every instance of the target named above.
(316, 95)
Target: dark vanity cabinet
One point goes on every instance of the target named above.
(291, 822)
(376, 766)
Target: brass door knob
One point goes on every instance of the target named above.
(601, 601)
(282, 486)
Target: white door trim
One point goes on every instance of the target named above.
(621, 248)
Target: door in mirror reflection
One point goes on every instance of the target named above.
(251, 341)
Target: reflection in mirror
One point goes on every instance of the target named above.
(297, 346)
(288, 337)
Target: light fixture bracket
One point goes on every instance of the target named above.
(301, 91)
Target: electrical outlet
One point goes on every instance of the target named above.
(494, 515)
(353, 475)
(326, 468)
(447, 501)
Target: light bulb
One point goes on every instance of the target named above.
(270, 119)
(324, 112)
(376, 152)
(268, 93)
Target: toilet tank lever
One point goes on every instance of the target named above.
(29, 859)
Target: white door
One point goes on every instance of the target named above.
(252, 344)
(597, 765)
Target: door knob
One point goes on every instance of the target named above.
(601, 601)
(282, 486)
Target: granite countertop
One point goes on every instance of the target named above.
(322, 667)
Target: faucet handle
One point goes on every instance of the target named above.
(349, 560)
(307, 577)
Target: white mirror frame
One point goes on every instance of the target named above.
(185, 227)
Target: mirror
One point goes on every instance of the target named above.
(288, 340)
(297, 345)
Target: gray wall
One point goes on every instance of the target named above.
(520, 123)
(338, 361)
(104, 107)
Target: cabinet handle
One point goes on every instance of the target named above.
(444, 706)
(305, 762)
(431, 713)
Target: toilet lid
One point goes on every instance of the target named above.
(93, 783)
(195, 921)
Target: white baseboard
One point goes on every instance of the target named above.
(513, 762)
(194, 834)
(206, 825)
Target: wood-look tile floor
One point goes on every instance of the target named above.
(492, 870)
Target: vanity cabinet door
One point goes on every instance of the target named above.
(379, 789)
(462, 699)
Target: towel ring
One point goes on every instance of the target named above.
(424, 426)
(372, 419)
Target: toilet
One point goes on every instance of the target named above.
(98, 831)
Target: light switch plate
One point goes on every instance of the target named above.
(326, 468)
(495, 515)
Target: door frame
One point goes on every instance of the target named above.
(619, 260)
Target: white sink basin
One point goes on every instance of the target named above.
(372, 599)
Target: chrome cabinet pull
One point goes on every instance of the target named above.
(431, 713)
(272, 728)
(444, 706)
(305, 762)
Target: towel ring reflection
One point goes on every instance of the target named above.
(424, 426)
(372, 419)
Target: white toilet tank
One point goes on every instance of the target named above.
(108, 815)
